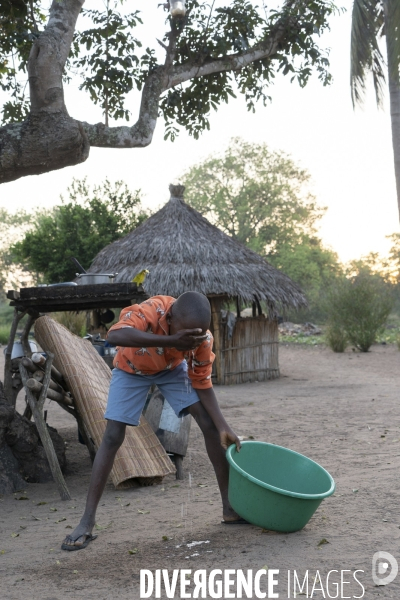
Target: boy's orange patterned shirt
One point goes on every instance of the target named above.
(150, 316)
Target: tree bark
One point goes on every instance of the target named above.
(43, 143)
(394, 95)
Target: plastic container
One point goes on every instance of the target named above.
(274, 487)
(18, 351)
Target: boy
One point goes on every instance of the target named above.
(166, 342)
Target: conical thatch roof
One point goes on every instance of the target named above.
(183, 251)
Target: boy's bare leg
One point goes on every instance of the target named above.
(112, 440)
(216, 454)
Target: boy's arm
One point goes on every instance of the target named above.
(209, 401)
(130, 337)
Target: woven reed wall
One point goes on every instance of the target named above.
(88, 378)
(252, 352)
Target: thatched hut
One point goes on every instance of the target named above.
(183, 251)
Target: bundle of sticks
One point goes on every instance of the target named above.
(35, 367)
(57, 391)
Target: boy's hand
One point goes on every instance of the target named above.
(229, 437)
(187, 339)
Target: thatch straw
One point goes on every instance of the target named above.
(88, 379)
(183, 251)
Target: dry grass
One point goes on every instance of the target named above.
(74, 321)
(4, 334)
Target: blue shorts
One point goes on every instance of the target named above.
(128, 393)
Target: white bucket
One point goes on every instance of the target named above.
(18, 351)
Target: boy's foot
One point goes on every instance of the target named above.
(79, 538)
(70, 544)
(230, 516)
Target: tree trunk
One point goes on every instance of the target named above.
(394, 94)
(22, 457)
(49, 138)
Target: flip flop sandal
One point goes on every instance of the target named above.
(236, 522)
(71, 548)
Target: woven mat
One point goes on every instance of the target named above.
(88, 379)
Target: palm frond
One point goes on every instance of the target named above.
(392, 32)
(366, 57)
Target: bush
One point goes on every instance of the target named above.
(336, 338)
(4, 334)
(360, 306)
(6, 314)
(74, 321)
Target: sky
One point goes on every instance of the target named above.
(348, 152)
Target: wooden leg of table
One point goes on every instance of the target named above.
(179, 466)
(25, 336)
(9, 390)
(37, 411)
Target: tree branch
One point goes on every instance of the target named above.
(50, 139)
(233, 62)
(169, 76)
(141, 134)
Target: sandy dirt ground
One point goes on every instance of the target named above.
(342, 410)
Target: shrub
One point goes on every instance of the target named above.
(74, 321)
(4, 334)
(360, 305)
(6, 314)
(336, 338)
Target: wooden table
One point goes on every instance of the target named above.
(36, 301)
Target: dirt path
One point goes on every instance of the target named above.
(340, 409)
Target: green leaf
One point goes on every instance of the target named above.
(322, 542)
(366, 56)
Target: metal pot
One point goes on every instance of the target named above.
(91, 278)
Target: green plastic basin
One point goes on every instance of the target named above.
(274, 487)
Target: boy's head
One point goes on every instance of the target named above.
(190, 311)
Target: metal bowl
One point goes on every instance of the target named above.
(92, 278)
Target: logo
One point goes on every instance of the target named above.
(385, 564)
